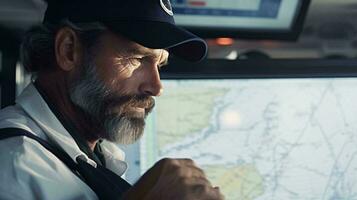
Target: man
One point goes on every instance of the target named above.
(96, 65)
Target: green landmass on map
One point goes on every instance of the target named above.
(184, 111)
(243, 182)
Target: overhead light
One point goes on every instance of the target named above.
(224, 41)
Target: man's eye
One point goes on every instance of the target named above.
(135, 61)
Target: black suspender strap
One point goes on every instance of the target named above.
(105, 183)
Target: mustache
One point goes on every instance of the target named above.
(126, 101)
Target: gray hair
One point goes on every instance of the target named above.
(90, 93)
(37, 51)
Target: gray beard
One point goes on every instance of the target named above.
(90, 94)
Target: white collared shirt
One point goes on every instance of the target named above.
(29, 171)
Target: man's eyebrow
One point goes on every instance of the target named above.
(135, 51)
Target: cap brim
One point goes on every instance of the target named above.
(161, 35)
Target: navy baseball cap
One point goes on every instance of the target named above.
(146, 22)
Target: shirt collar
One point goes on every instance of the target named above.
(37, 108)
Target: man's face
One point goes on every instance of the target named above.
(116, 86)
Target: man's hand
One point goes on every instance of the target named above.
(174, 179)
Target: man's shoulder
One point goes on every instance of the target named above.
(16, 117)
(11, 111)
(30, 169)
(23, 159)
(12, 116)
(22, 153)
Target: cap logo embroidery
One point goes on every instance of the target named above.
(166, 5)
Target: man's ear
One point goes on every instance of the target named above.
(68, 49)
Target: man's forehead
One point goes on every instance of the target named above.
(128, 47)
(141, 50)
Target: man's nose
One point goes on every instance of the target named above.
(151, 84)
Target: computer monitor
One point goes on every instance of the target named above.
(274, 19)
